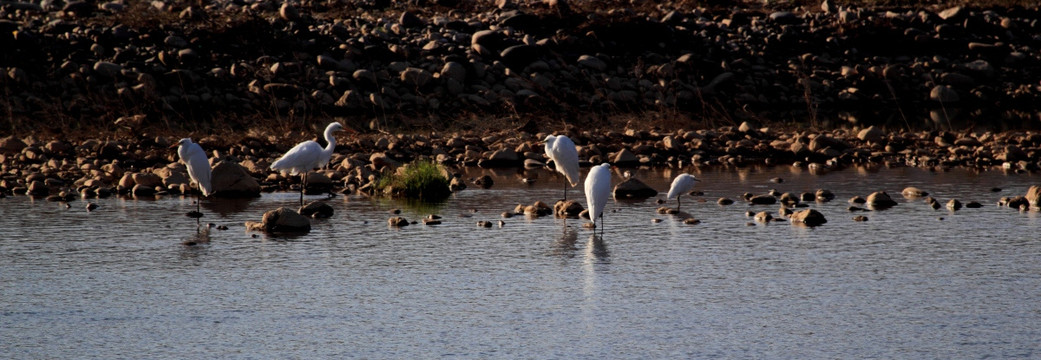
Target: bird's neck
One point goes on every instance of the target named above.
(330, 140)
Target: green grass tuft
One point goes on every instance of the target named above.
(421, 179)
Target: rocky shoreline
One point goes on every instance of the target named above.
(459, 65)
(146, 166)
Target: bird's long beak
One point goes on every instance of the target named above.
(174, 146)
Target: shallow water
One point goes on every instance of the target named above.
(911, 282)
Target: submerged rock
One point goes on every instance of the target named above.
(281, 220)
(762, 200)
(763, 217)
(880, 200)
(397, 221)
(317, 209)
(912, 192)
(808, 217)
(1033, 195)
(567, 209)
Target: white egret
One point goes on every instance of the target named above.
(562, 151)
(194, 158)
(307, 156)
(598, 189)
(682, 184)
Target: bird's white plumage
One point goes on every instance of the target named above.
(682, 184)
(562, 151)
(194, 158)
(308, 155)
(598, 189)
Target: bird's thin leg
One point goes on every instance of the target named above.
(601, 226)
(678, 203)
(565, 188)
(303, 185)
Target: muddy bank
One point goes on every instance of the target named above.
(456, 64)
(147, 166)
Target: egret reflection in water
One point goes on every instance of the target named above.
(200, 237)
(565, 245)
(596, 249)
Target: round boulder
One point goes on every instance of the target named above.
(283, 220)
(880, 200)
(808, 217)
(633, 188)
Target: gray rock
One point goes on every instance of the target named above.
(175, 42)
(880, 200)
(952, 14)
(763, 217)
(365, 76)
(871, 134)
(397, 221)
(625, 157)
(762, 200)
(633, 188)
(592, 62)
(455, 71)
(506, 157)
(567, 209)
(489, 39)
(232, 180)
(107, 69)
(944, 94)
(519, 56)
(38, 188)
(329, 63)
(1033, 196)
(141, 190)
(784, 17)
(147, 180)
(283, 220)
(409, 19)
(415, 77)
(317, 183)
(11, 145)
(913, 192)
(317, 209)
(289, 12)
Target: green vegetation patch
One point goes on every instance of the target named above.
(421, 179)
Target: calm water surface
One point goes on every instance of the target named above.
(911, 282)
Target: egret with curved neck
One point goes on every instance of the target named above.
(307, 156)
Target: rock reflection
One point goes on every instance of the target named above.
(227, 206)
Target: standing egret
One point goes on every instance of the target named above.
(306, 156)
(562, 151)
(598, 189)
(194, 158)
(681, 185)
